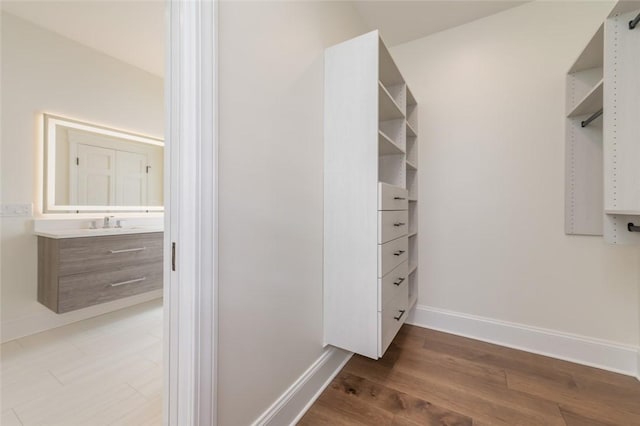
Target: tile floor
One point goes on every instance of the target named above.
(105, 370)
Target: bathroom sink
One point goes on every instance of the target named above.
(88, 232)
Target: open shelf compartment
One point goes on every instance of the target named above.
(388, 109)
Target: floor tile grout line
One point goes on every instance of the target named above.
(17, 416)
(56, 378)
(137, 391)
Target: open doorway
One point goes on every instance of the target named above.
(83, 119)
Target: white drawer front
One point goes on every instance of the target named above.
(391, 319)
(394, 285)
(392, 197)
(392, 254)
(392, 225)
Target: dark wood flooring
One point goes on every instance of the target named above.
(432, 378)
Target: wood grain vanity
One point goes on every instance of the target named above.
(74, 273)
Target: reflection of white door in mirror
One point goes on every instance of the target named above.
(92, 175)
(103, 177)
(131, 178)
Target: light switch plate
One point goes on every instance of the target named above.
(16, 210)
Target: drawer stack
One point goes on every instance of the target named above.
(393, 263)
(74, 273)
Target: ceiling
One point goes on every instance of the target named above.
(133, 31)
(400, 21)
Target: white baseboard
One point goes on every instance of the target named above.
(295, 401)
(44, 319)
(624, 359)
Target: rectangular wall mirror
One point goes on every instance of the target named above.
(90, 168)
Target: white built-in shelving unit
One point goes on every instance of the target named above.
(412, 187)
(583, 148)
(622, 124)
(602, 195)
(371, 166)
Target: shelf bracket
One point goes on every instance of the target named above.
(595, 115)
(634, 22)
(633, 228)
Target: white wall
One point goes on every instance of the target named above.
(271, 195)
(491, 177)
(43, 72)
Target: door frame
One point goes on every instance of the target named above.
(191, 218)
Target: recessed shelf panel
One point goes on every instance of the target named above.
(388, 70)
(412, 183)
(394, 130)
(392, 169)
(591, 103)
(593, 55)
(411, 166)
(413, 218)
(411, 100)
(411, 131)
(388, 109)
(412, 116)
(412, 268)
(398, 93)
(412, 150)
(386, 146)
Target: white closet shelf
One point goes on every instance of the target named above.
(591, 103)
(413, 200)
(412, 269)
(386, 146)
(388, 109)
(411, 166)
(413, 234)
(411, 132)
(623, 212)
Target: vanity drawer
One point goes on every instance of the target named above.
(82, 290)
(391, 319)
(79, 255)
(392, 225)
(392, 197)
(392, 254)
(394, 285)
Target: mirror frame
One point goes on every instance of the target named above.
(51, 123)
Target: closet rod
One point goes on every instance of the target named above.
(595, 115)
(633, 228)
(632, 24)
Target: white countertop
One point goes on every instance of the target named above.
(100, 232)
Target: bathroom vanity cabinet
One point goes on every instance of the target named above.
(74, 273)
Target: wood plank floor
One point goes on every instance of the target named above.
(433, 378)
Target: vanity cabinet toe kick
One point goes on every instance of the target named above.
(75, 273)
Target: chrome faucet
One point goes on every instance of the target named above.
(108, 222)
